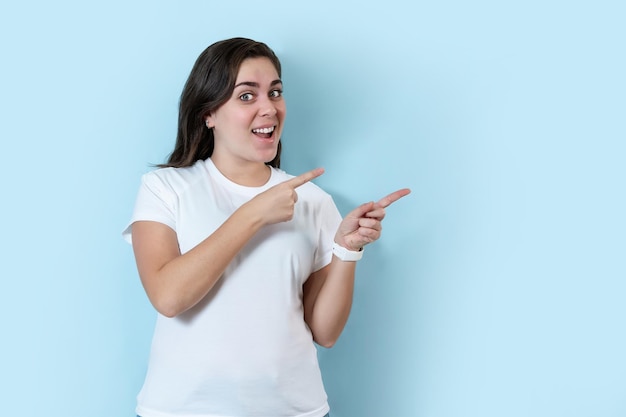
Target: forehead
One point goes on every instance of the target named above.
(257, 69)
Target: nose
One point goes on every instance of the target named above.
(267, 108)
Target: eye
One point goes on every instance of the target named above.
(246, 97)
(276, 93)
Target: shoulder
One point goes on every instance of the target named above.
(174, 179)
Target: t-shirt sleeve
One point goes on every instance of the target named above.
(330, 218)
(155, 202)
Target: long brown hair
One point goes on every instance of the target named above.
(210, 84)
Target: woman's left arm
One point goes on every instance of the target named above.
(327, 294)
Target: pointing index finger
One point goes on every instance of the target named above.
(395, 196)
(306, 177)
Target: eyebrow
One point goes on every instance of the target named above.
(256, 85)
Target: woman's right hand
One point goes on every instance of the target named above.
(276, 204)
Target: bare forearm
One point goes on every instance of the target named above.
(333, 303)
(186, 279)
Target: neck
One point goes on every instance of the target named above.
(251, 174)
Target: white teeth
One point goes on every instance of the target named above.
(264, 130)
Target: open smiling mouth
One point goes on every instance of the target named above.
(265, 132)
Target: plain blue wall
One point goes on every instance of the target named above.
(498, 287)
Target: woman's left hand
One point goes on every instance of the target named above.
(363, 224)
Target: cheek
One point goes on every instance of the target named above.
(282, 110)
(246, 118)
(235, 122)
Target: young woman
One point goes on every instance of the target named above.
(246, 265)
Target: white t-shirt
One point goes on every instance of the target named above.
(245, 349)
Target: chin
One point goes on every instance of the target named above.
(268, 160)
(269, 157)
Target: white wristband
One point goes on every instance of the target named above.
(345, 254)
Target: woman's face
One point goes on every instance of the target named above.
(247, 128)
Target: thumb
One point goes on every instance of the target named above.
(361, 210)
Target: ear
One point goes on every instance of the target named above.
(208, 120)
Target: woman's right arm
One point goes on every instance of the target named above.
(173, 282)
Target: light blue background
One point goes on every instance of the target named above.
(498, 287)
